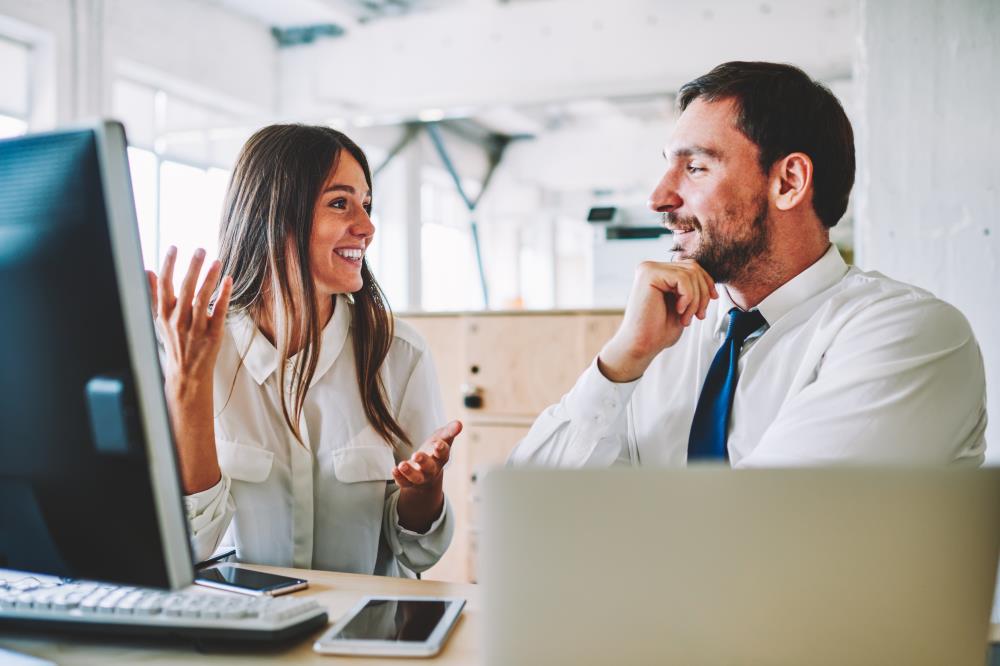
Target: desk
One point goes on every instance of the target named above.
(337, 591)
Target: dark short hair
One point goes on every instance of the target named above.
(784, 111)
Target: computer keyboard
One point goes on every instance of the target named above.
(50, 604)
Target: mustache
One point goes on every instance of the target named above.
(674, 220)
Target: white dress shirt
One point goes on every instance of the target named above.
(330, 503)
(851, 367)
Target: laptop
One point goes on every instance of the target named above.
(716, 566)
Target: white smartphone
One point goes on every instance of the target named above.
(248, 581)
(393, 626)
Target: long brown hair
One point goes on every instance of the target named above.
(264, 245)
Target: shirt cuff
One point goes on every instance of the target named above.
(596, 399)
(196, 503)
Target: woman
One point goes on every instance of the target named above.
(297, 398)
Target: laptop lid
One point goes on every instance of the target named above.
(715, 566)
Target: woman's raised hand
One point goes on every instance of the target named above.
(421, 479)
(191, 331)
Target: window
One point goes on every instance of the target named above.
(180, 152)
(190, 209)
(15, 98)
(450, 274)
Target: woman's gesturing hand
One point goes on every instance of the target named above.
(421, 477)
(190, 330)
(192, 334)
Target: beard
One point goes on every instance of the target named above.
(727, 256)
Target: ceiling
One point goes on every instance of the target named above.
(525, 66)
(344, 13)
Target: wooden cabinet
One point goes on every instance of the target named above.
(517, 364)
(521, 362)
(487, 446)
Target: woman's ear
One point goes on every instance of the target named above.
(792, 181)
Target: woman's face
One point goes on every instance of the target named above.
(341, 229)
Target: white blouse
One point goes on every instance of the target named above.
(330, 503)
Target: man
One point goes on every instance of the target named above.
(758, 344)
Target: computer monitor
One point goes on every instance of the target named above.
(88, 470)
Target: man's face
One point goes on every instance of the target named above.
(713, 195)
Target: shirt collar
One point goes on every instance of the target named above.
(261, 358)
(822, 275)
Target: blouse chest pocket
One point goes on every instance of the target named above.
(244, 462)
(367, 457)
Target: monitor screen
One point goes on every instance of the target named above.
(88, 480)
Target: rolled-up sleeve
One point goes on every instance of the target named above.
(414, 550)
(209, 513)
(587, 428)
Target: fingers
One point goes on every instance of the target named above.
(186, 294)
(438, 445)
(429, 466)
(693, 288)
(690, 297)
(151, 279)
(441, 452)
(699, 299)
(166, 284)
(709, 292)
(426, 465)
(200, 316)
(413, 472)
(438, 450)
(447, 432)
(688, 294)
(401, 480)
(221, 307)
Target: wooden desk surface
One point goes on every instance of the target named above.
(337, 591)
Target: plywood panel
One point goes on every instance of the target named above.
(489, 446)
(523, 364)
(597, 330)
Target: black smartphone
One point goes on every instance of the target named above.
(237, 579)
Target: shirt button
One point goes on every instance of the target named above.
(599, 419)
(610, 403)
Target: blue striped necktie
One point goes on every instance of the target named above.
(710, 427)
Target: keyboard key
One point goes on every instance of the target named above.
(149, 605)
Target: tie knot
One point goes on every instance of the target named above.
(742, 324)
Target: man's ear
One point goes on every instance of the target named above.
(791, 181)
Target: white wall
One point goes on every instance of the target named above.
(928, 191)
(189, 46)
(223, 55)
(47, 25)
